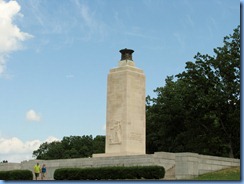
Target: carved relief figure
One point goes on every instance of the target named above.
(115, 133)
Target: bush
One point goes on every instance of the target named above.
(110, 173)
(16, 175)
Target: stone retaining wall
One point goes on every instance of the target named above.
(190, 165)
(177, 165)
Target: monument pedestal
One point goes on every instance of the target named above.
(125, 121)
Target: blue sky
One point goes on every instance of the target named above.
(55, 57)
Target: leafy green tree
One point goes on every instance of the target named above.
(48, 151)
(200, 111)
(165, 118)
(71, 147)
(76, 146)
(99, 144)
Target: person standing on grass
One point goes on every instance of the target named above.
(44, 170)
(37, 170)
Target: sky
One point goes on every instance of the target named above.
(55, 57)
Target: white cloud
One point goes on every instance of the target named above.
(15, 145)
(31, 115)
(94, 27)
(10, 34)
(180, 39)
(69, 76)
(51, 139)
(15, 150)
(104, 127)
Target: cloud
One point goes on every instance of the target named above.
(69, 76)
(51, 139)
(15, 150)
(10, 34)
(35, 8)
(104, 127)
(93, 27)
(86, 15)
(180, 39)
(15, 145)
(31, 115)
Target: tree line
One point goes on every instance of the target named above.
(71, 147)
(197, 111)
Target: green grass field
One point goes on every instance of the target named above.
(225, 174)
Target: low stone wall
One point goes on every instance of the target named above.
(190, 165)
(167, 160)
(177, 165)
(212, 163)
(9, 166)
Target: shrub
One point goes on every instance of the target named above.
(4, 175)
(16, 175)
(110, 173)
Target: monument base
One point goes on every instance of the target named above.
(114, 154)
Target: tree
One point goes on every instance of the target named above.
(49, 151)
(99, 144)
(71, 147)
(165, 118)
(200, 111)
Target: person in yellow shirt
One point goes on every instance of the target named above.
(37, 170)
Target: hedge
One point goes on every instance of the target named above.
(16, 175)
(110, 173)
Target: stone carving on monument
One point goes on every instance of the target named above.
(115, 133)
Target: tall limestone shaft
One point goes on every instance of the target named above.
(125, 124)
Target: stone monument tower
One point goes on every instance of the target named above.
(125, 121)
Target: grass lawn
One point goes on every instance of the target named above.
(225, 174)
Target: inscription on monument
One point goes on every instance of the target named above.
(115, 133)
(135, 136)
